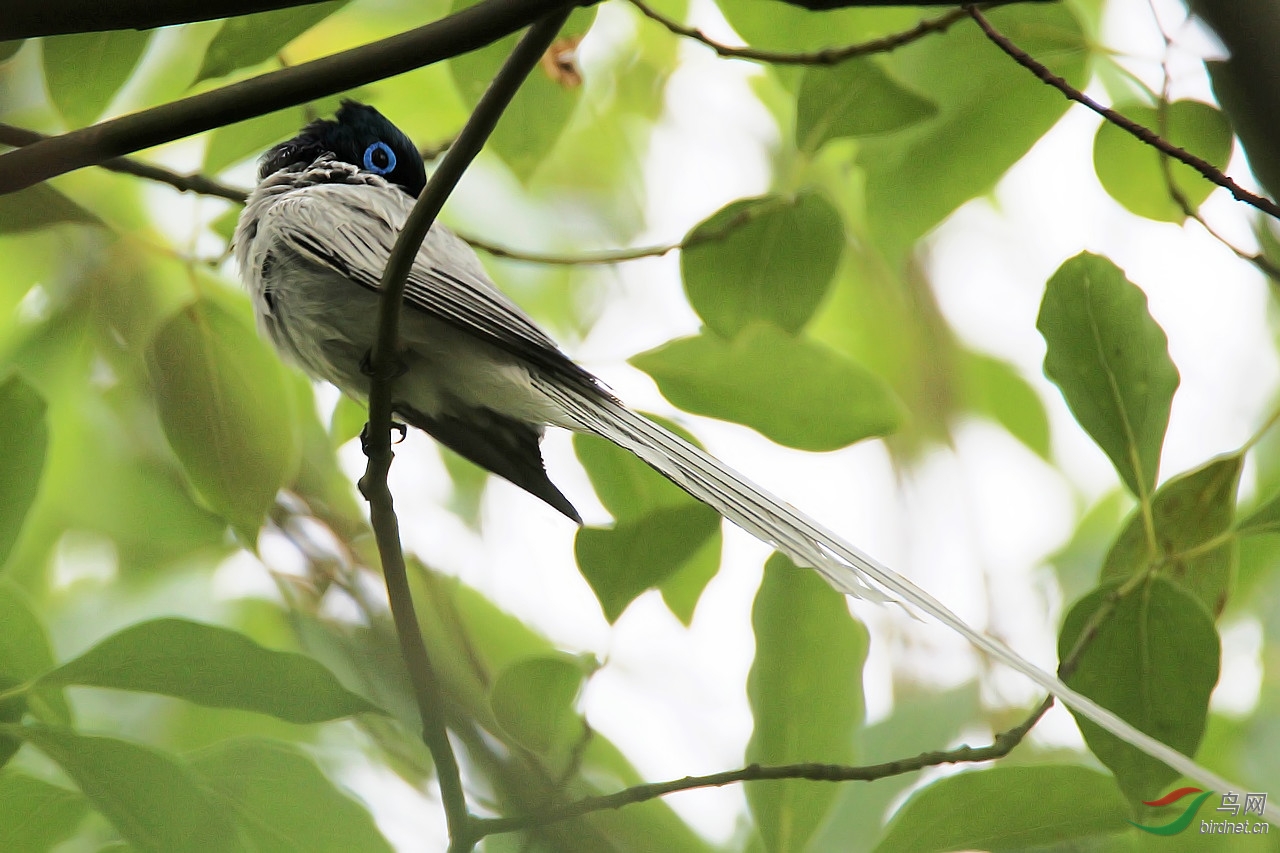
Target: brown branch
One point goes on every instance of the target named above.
(54, 17)
(1205, 168)
(468, 29)
(1001, 745)
(826, 56)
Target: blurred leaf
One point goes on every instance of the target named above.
(38, 206)
(83, 71)
(151, 798)
(25, 654)
(538, 114)
(918, 176)
(211, 666)
(24, 435)
(1189, 512)
(9, 48)
(1153, 661)
(282, 802)
(854, 98)
(36, 816)
(1076, 563)
(225, 224)
(1131, 171)
(623, 561)
(234, 143)
(249, 39)
(805, 689)
(762, 259)
(469, 481)
(995, 389)
(795, 391)
(226, 411)
(1264, 519)
(1111, 360)
(533, 700)
(1007, 808)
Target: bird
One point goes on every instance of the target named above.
(483, 379)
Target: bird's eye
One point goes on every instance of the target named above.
(379, 158)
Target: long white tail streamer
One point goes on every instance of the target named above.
(843, 566)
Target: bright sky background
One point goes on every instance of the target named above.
(973, 526)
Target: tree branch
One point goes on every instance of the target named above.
(1000, 746)
(826, 56)
(384, 367)
(463, 31)
(55, 17)
(1205, 168)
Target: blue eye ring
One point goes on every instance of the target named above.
(388, 156)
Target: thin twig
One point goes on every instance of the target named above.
(826, 56)
(1205, 168)
(384, 367)
(1000, 746)
(465, 30)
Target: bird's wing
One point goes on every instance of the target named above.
(351, 229)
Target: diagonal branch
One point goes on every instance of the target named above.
(826, 56)
(1205, 168)
(384, 367)
(55, 17)
(463, 31)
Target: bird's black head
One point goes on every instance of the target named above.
(359, 135)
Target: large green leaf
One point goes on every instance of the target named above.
(632, 491)
(854, 98)
(24, 435)
(805, 689)
(155, 802)
(36, 816)
(534, 701)
(1132, 172)
(1153, 660)
(25, 654)
(623, 561)
(282, 802)
(249, 39)
(990, 112)
(1189, 513)
(1111, 360)
(211, 666)
(538, 114)
(1007, 808)
(994, 389)
(83, 71)
(225, 408)
(795, 391)
(38, 206)
(762, 259)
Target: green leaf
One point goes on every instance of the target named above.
(24, 435)
(540, 111)
(1007, 808)
(282, 801)
(235, 143)
(995, 389)
(151, 797)
(794, 391)
(1111, 360)
(83, 71)
(1153, 661)
(805, 689)
(1264, 519)
(1190, 513)
(25, 654)
(1132, 173)
(39, 206)
(621, 562)
(627, 487)
(226, 411)
(249, 39)
(762, 259)
(916, 177)
(534, 701)
(854, 98)
(36, 816)
(211, 666)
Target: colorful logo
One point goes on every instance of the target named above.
(1181, 822)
